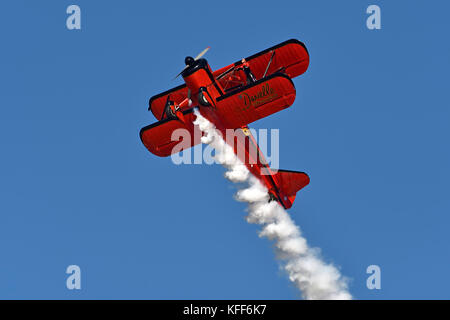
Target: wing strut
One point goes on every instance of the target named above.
(165, 107)
(225, 73)
(268, 65)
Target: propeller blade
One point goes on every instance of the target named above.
(180, 73)
(201, 54)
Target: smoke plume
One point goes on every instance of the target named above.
(310, 274)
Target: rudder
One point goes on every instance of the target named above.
(290, 182)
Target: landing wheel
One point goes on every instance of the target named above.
(202, 97)
(170, 113)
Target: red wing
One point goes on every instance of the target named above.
(158, 139)
(157, 103)
(290, 57)
(260, 99)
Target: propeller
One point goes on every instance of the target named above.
(189, 60)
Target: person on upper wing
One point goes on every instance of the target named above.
(246, 68)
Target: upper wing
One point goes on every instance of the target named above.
(257, 100)
(290, 57)
(170, 136)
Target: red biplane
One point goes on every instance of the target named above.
(231, 98)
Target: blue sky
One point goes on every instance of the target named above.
(370, 125)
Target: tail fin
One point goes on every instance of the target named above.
(290, 182)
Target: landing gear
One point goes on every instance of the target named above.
(172, 111)
(202, 97)
(169, 110)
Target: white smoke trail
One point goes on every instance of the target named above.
(313, 277)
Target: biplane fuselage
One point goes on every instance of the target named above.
(231, 98)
